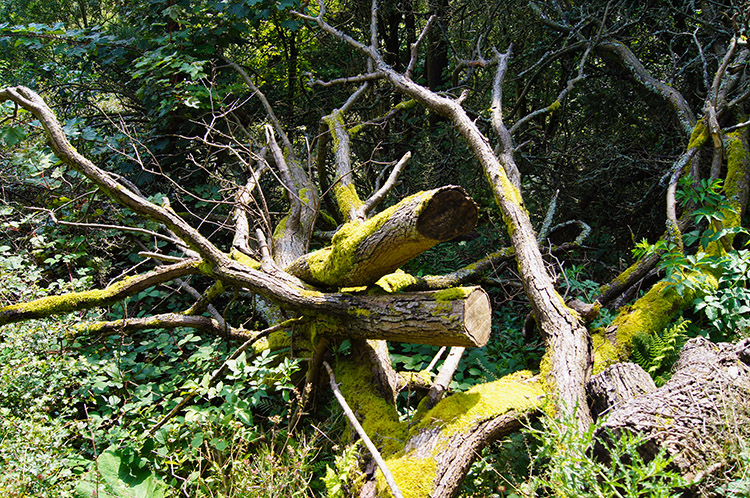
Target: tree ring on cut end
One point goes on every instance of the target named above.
(449, 214)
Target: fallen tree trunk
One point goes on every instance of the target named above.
(699, 418)
(452, 317)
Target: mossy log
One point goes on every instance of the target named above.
(363, 252)
(453, 317)
(440, 448)
(699, 418)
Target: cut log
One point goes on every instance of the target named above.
(452, 317)
(699, 418)
(363, 252)
(616, 385)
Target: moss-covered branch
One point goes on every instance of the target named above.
(165, 321)
(361, 253)
(77, 301)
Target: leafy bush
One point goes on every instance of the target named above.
(567, 467)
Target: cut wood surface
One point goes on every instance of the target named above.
(362, 252)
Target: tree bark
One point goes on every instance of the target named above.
(363, 252)
(616, 385)
(453, 317)
(699, 418)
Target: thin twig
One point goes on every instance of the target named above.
(362, 434)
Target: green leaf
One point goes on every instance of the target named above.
(116, 478)
(12, 135)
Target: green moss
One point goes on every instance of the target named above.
(518, 391)
(456, 414)
(699, 136)
(453, 293)
(652, 312)
(304, 195)
(379, 418)
(394, 282)
(347, 198)
(735, 184)
(244, 259)
(414, 476)
(55, 305)
(554, 106)
(276, 340)
(334, 265)
(278, 232)
(621, 278)
(605, 353)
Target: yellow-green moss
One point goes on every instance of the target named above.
(621, 278)
(652, 312)
(354, 290)
(453, 293)
(275, 341)
(304, 195)
(736, 179)
(462, 410)
(278, 232)
(455, 414)
(333, 265)
(554, 106)
(244, 259)
(347, 198)
(605, 353)
(414, 476)
(378, 417)
(394, 282)
(699, 136)
(53, 305)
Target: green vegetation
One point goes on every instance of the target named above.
(604, 105)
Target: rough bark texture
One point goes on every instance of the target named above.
(454, 317)
(699, 417)
(615, 386)
(363, 252)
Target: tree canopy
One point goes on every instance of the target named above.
(467, 217)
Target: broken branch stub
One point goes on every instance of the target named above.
(363, 252)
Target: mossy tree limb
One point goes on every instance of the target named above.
(77, 301)
(361, 253)
(440, 448)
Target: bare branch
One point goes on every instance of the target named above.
(442, 380)
(414, 49)
(362, 434)
(269, 110)
(378, 196)
(362, 78)
(32, 102)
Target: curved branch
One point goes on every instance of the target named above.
(32, 102)
(77, 301)
(378, 196)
